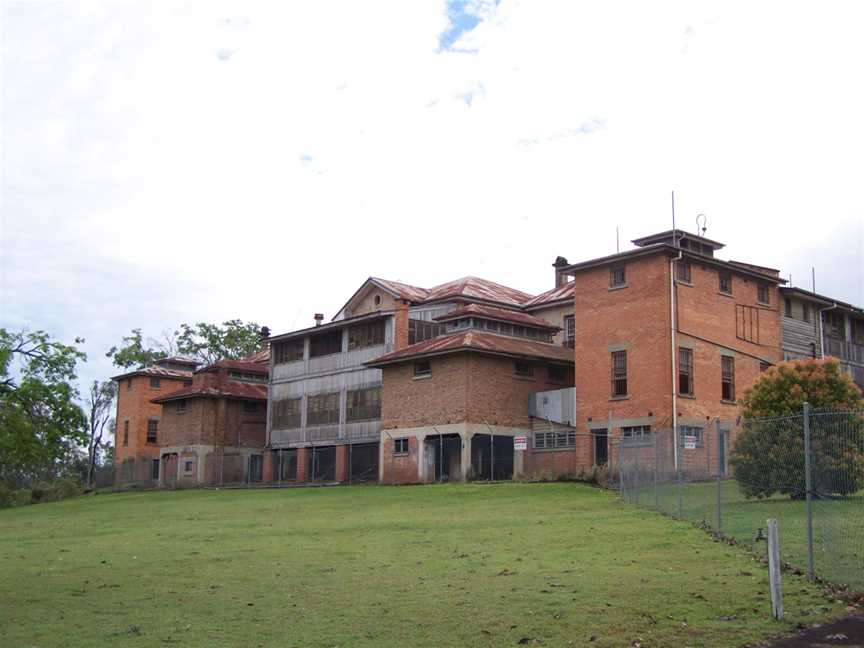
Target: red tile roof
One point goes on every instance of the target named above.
(257, 362)
(228, 389)
(478, 342)
(479, 289)
(563, 292)
(497, 314)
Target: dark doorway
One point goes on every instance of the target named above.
(286, 465)
(256, 467)
(601, 446)
(444, 458)
(364, 462)
(491, 457)
(321, 463)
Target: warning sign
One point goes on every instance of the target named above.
(689, 442)
(520, 443)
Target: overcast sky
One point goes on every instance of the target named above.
(177, 161)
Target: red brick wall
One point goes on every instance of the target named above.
(210, 421)
(400, 325)
(401, 469)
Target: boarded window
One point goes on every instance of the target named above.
(364, 404)
(636, 435)
(558, 439)
(727, 367)
(289, 351)
(726, 283)
(325, 344)
(682, 271)
(747, 323)
(400, 446)
(617, 277)
(152, 430)
(762, 294)
(323, 409)
(366, 335)
(286, 413)
(619, 373)
(423, 368)
(523, 369)
(685, 371)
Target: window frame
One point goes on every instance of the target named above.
(553, 380)
(686, 353)
(188, 464)
(570, 331)
(619, 374)
(181, 406)
(314, 414)
(724, 276)
(727, 379)
(523, 369)
(700, 434)
(126, 433)
(636, 436)
(420, 372)
(401, 446)
(555, 439)
(683, 272)
(367, 334)
(325, 348)
(284, 416)
(155, 383)
(250, 407)
(152, 431)
(762, 289)
(613, 276)
(356, 410)
(154, 469)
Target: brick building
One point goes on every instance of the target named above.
(213, 430)
(138, 420)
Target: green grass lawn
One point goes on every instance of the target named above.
(443, 565)
(838, 525)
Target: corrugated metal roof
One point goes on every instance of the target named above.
(227, 389)
(561, 293)
(497, 314)
(258, 362)
(477, 288)
(480, 342)
(156, 372)
(402, 290)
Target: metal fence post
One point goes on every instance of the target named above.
(655, 462)
(680, 477)
(719, 483)
(621, 470)
(808, 485)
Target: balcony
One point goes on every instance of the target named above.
(843, 350)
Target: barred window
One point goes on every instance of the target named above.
(152, 428)
(726, 283)
(366, 335)
(400, 446)
(617, 277)
(619, 373)
(288, 351)
(423, 368)
(523, 369)
(682, 271)
(286, 413)
(762, 294)
(550, 440)
(636, 435)
(364, 404)
(685, 371)
(325, 344)
(727, 367)
(323, 409)
(691, 431)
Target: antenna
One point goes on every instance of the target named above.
(813, 277)
(617, 244)
(700, 230)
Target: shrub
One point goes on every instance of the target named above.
(5, 496)
(68, 487)
(21, 497)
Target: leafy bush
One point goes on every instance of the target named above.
(5, 496)
(21, 497)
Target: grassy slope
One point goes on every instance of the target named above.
(377, 566)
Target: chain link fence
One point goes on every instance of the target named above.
(806, 471)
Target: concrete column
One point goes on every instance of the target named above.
(302, 454)
(342, 463)
(269, 470)
(466, 454)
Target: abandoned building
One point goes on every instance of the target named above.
(138, 419)
(213, 430)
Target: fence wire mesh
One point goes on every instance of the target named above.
(731, 478)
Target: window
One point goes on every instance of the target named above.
(250, 406)
(523, 369)
(727, 369)
(805, 312)
(325, 344)
(617, 277)
(247, 376)
(685, 371)
(323, 409)
(570, 331)
(128, 384)
(126, 432)
(181, 406)
(286, 413)
(289, 351)
(551, 440)
(636, 435)
(400, 446)
(726, 283)
(366, 335)
(788, 307)
(762, 294)
(682, 271)
(187, 467)
(419, 330)
(154, 469)
(619, 374)
(155, 383)
(364, 404)
(747, 323)
(152, 427)
(422, 369)
(556, 374)
(834, 324)
(691, 431)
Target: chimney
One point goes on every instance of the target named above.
(264, 338)
(319, 317)
(400, 325)
(560, 278)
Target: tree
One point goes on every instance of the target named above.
(99, 406)
(40, 423)
(769, 451)
(208, 343)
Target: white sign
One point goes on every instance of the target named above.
(689, 443)
(520, 443)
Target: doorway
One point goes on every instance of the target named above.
(321, 463)
(443, 458)
(600, 441)
(491, 457)
(363, 462)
